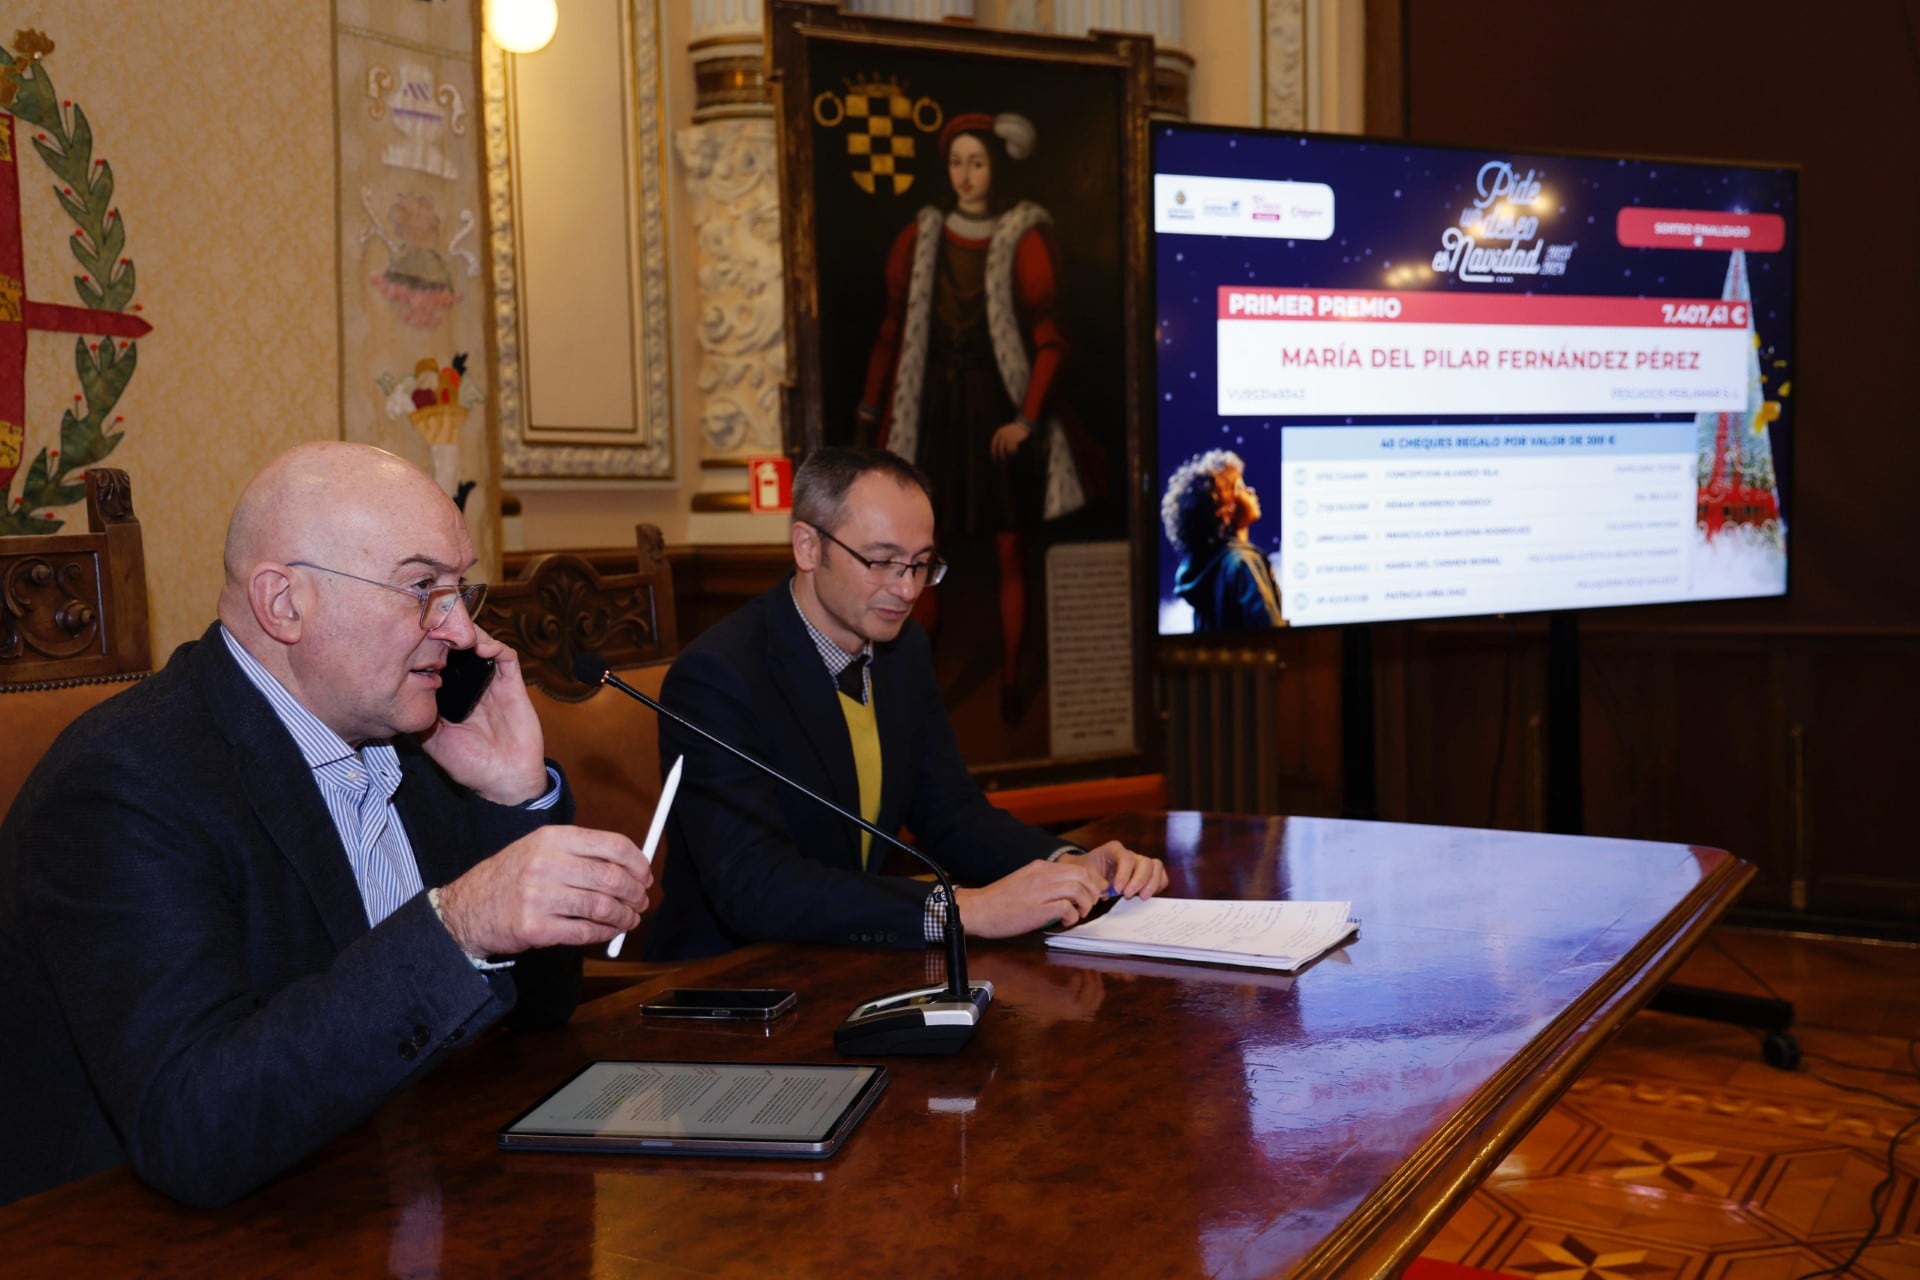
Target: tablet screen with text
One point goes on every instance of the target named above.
(797, 1110)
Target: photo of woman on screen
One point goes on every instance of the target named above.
(1207, 510)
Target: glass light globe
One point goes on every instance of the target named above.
(522, 26)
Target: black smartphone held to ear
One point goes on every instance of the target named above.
(462, 681)
(749, 1004)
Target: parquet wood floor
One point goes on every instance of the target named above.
(1680, 1155)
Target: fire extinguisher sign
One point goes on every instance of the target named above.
(769, 484)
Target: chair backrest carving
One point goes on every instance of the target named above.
(74, 605)
(73, 624)
(561, 606)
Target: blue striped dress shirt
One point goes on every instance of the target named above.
(358, 788)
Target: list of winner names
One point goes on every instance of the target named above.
(1407, 535)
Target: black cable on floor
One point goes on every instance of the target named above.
(1882, 1193)
(1905, 1104)
(1877, 1199)
(1861, 1066)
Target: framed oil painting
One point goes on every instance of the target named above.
(964, 226)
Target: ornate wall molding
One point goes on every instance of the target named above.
(733, 175)
(522, 452)
(1283, 67)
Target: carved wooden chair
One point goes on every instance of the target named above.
(73, 624)
(559, 607)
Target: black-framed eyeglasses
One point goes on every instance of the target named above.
(436, 603)
(929, 571)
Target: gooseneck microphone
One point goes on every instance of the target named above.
(923, 1020)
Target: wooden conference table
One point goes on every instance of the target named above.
(1110, 1118)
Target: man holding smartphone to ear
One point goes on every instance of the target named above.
(245, 902)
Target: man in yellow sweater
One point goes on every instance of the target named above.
(828, 679)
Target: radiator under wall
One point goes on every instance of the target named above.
(1222, 729)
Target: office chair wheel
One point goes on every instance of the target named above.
(1781, 1050)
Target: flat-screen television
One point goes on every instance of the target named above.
(1398, 382)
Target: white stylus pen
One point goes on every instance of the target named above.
(654, 829)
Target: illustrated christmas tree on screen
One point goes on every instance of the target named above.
(1738, 490)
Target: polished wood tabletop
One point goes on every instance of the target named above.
(1112, 1117)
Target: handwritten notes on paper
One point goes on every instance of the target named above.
(1264, 935)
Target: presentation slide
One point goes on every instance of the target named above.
(1400, 382)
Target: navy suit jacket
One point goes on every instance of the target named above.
(751, 860)
(192, 984)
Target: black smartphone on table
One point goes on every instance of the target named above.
(462, 681)
(750, 1004)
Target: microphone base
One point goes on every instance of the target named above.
(926, 1020)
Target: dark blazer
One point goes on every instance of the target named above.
(191, 984)
(751, 860)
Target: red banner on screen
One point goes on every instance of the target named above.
(1639, 228)
(1387, 306)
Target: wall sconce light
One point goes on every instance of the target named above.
(521, 26)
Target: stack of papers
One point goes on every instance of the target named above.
(1261, 935)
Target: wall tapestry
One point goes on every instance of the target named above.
(414, 371)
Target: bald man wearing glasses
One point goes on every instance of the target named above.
(828, 679)
(245, 902)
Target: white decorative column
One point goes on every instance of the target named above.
(1314, 65)
(1284, 66)
(732, 172)
(1164, 20)
(916, 10)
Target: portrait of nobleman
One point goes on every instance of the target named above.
(970, 242)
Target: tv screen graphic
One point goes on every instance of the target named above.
(1398, 382)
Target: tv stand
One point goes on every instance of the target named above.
(1566, 815)
(1761, 1013)
(1565, 811)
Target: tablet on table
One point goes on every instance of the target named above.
(792, 1110)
